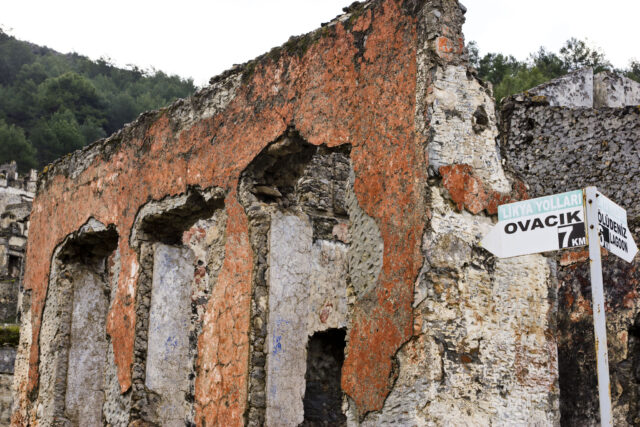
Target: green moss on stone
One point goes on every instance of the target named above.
(9, 335)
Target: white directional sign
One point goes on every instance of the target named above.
(558, 222)
(538, 225)
(613, 229)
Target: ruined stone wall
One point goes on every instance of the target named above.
(561, 148)
(320, 205)
(16, 195)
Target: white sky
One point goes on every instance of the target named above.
(199, 39)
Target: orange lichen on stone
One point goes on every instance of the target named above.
(469, 192)
(570, 257)
(573, 257)
(336, 93)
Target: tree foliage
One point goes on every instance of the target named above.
(52, 104)
(15, 146)
(509, 75)
(634, 70)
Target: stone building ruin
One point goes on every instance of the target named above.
(16, 196)
(297, 243)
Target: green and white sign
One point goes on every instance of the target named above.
(538, 225)
(558, 222)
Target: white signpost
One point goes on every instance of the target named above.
(558, 222)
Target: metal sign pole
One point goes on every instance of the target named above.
(597, 293)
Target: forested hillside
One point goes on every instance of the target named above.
(509, 76)
(52, 103)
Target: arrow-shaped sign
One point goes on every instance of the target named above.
(613, 231)
(538, 225)
(558, 222)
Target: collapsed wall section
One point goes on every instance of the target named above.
(556, 149)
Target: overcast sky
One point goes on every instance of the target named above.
(199, 39)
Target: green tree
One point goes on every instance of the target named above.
(523, 80)
(548, 63)
(578, 54)
(13, 55)
(72, 92)
(634, 70)
(510, 76)
(57, 136)
(14, 146)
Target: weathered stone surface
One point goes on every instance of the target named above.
(9, 290)
(307, 293)
(168, 361)
(483, 350)
(87, 354)
(614, 90)
(181, 250)
(574, 90)
(6, 399)
(16, 195)
(289, 272)
(457, 97)
(7, 359)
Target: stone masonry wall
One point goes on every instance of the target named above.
(339, 184)
(556, 149)
(16, 195)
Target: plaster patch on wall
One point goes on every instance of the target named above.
(307, 293)
(289, 270)
(168, 361)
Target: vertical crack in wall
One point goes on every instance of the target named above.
(74, 362)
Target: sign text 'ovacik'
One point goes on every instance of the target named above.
(538, 225)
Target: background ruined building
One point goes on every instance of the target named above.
(16, 196)
(299, 242)
(573, 132)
